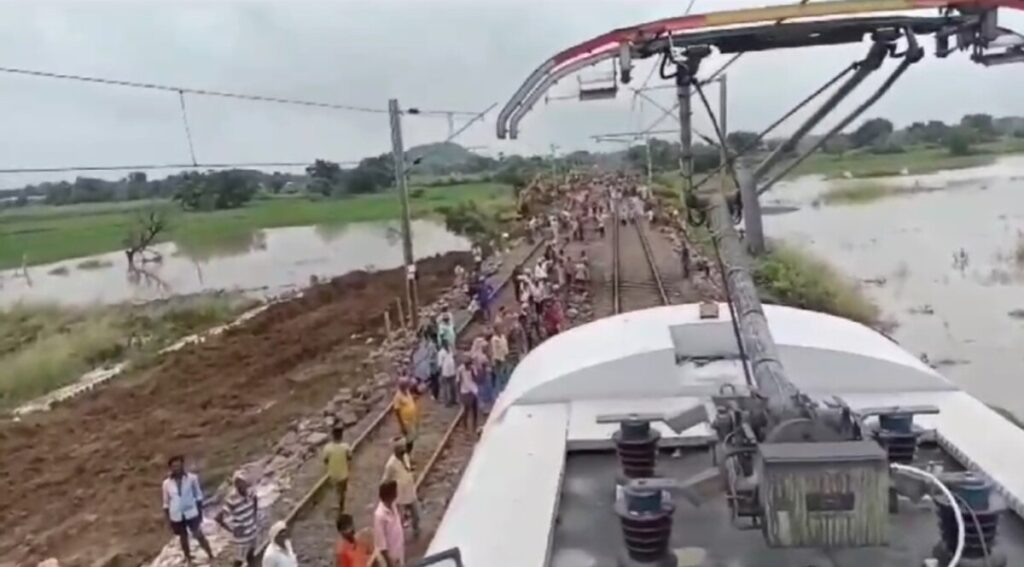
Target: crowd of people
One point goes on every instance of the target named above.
(450, 373)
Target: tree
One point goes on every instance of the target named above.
(325, 176)
(148, 226)
(958, 142)
(212, 191)
(870, 132)
(742, 141)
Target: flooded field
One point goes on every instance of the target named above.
(264, 262)
(945, 261)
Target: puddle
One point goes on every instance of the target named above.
(263, 262)
(942, 262)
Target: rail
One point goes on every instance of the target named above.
(655, 273)
(657, 283)
(313, 494)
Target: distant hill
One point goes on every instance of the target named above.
(441, 154)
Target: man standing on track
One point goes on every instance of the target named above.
(406, 413)
(399, 469)
(183, 506)
(238, 517)
(468, 392)
(499, 359)
(337, 455)
(388, 536)
(348, 552)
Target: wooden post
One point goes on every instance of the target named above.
(387, 322)
(762, 355)
(401, 316)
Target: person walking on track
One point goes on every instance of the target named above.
(348, 552)
(337, 456)
(279, 551)
(468, 392)
(406, 412)
(446, 362)
(183, 506)
(388, 535)
(399, 469)
(239, 516)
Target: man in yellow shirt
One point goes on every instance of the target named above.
(407, 413)
(337, 454)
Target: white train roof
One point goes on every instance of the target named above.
(665, 359)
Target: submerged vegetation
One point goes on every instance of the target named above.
(856, 194)
(791, 276)
(45, 346)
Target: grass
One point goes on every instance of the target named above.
(858, 194)
(915, 160)
(44, 234)
(794, 277)
(46, 346)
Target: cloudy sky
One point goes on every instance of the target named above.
(439, 54)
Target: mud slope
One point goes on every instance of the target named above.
(81, 482)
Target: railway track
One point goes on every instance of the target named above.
(440, 442)
(630, 290)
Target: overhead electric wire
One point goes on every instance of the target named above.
(807, 100)
(143, 167)
(223, 94)
(188, 131)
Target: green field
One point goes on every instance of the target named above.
(44, 234)
(915, 160)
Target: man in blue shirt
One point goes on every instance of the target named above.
(183, 506)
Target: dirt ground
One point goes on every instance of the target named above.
(81, 483)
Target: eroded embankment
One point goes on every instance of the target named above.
(81, 482)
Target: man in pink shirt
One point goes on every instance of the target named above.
(388, 536)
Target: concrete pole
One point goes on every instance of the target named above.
(683, 92)
(723, 125)
(650, 166)
(751, 209)
(398, 155)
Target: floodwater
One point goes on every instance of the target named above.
(940, 262)
(264, 263)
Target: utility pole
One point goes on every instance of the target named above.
(554, 164)
(723, 116)
(683, 93)
(650, 166)
(398, 154)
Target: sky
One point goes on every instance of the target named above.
(436, 54)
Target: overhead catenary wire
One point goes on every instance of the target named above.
(224, 94)
(188, 131)
(146, 167)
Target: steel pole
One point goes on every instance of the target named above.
(650, 166)
(398, 155)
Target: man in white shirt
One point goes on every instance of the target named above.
(446, 362)
(183, 506)
(279, 551)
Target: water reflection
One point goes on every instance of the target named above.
(229, 244)
(263, 262)
(943, 263)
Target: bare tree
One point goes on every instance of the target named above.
(148, 226)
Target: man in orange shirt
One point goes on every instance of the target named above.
(348, 552)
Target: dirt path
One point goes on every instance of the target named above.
(81, 483)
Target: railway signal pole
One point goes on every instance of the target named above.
(398, 155)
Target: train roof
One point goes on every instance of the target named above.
(542, 458)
